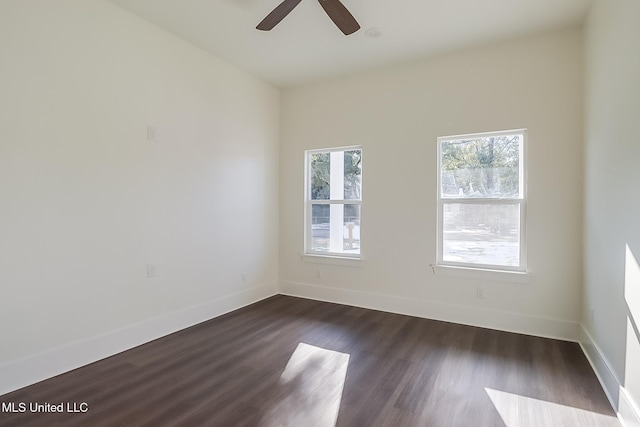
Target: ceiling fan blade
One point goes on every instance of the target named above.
(277, 14)
(340, 16)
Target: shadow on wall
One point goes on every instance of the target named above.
(632, 299)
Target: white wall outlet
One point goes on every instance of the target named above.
(244, 276)
(152, 133)
(592, 313)
(151, 270)
(318, 274)
(480, 293)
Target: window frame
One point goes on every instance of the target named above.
(521, 202)
(309, 202)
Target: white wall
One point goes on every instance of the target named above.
(612, 199)
(396, 114)
(86, 201)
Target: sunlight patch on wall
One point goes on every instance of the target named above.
(632, 285)
(631, 385)
(310, 388)
(522, 411)
(632, 355)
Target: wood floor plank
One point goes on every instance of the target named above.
(288, 361)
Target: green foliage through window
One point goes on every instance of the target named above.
(320, 175)
(481, 167)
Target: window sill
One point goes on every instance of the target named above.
(332, 260)
(482, 274)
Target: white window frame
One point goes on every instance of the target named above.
(308, 250)
(520, 201)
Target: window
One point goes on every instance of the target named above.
(333, 201)
(481, 201)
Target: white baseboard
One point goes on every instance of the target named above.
(627, 409)
(601, 366)
(23, 372)
(492, 319)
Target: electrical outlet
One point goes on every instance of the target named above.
(318, 274)
(592, 313)
(244, 276)
(480, 293)
(152, 133)
(151, 270)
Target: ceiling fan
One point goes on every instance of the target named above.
(338, 13)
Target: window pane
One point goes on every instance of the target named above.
(352, 174)
(481, 234)
(320, 223)
(481, 167)
(320, 176)
(335, 228)
(351, 229)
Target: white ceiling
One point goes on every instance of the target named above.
(307, 46)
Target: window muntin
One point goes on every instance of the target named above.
(481, 201)
(333, 190)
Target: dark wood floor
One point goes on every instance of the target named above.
(293, 362)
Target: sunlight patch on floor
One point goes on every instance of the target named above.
(309, 391)
(522, 411)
